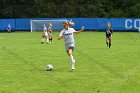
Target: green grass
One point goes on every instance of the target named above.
(98, 69)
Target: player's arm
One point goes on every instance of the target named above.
(82, 29)
(61, 35)
(111, 31)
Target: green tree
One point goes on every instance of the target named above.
(69, 8)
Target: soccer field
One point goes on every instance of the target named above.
(98, 69)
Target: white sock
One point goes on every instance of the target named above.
(72, 59)
(47, 40)
(42, 39)
(72, 62)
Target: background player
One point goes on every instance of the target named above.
(45, 34)
(9, 28)
(49, 30)
(108, 34)
(67, 34)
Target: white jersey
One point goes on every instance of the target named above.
(45, 31)
(68, 37)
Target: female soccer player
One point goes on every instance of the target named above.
(49, 30)
(45, 34)
(67, 34)
(108, 34)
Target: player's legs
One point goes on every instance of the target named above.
(51, 38)
(47, 39)
(69, 52)
(42, 39)
(109, 42)
(46, 36)
(9, 30)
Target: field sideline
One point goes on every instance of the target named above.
(98, 69)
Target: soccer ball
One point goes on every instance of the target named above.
(49, 67)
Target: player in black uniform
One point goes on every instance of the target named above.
(108, 34)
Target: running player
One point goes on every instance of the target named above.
(108, 34)
(45, 34)
(49, 30)
(67, 34)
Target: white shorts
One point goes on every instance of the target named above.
(68, 46)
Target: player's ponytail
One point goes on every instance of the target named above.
(71, 23)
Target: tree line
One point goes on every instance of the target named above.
(69, 8)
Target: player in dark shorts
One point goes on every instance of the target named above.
(49, 30)
(108, 34)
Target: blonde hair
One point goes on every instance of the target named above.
(50, 24)
(70, 23)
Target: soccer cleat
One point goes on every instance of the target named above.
(73, 67)
(42, 42)
(48, 42)
(107, 44)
